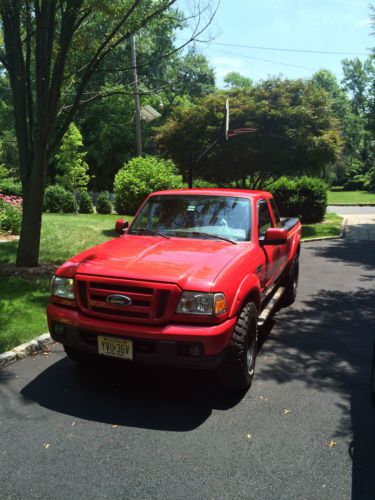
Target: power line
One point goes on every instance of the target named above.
(304, 51)
(264, 60)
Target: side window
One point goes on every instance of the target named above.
(275, 213)
(264, 218)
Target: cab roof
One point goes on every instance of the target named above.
(249, 193)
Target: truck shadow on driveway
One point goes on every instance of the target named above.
(131, 396)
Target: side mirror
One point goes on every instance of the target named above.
(121, 226)
(275, 236)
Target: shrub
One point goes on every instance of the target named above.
(140, 177)
(10, 216)
(85, 203)
(58, 200)
(355, 184)
(10, 186)
(103, 205)
(304, 197)
(201, 183)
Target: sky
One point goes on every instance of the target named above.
(311, 25)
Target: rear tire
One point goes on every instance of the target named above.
(237, 369)
(290, 282)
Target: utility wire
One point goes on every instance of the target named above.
(304, 51)
(264, 60)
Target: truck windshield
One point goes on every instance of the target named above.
(195, 216)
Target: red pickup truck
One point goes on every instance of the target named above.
(187, 283)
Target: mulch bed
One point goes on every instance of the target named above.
(8, 237)
(44, 270)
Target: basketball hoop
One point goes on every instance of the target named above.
(240, 131)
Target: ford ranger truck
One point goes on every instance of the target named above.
(186, 284)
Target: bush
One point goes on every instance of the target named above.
(304, 197)
(201, 183)
(355, 184)
(58, 200)
(140, 177)
(10, 217)
(11, 187)
(85, 203)
(103, 205)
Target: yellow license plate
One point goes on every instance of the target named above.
(117, 348)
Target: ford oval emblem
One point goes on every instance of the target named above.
(119, 300)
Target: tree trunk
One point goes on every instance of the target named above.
(33, 193)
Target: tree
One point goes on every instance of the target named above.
(50, 80)
(72, 170)
(296, 133)
(234, 80)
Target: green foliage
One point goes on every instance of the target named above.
(10, 187)
(296, 133)
(103, 204)
(4, 172)
(140, 177)
(72, 170)
(58, 200)
(201, 183)
(357, 183)
(304, 197)
(234, 80)
(10, 218)
(85, 203)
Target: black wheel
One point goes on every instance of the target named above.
(80, 357)
(373, 376)
(290, 282)
(237, 369)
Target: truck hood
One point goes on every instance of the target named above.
(193, 264)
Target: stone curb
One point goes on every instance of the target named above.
(352, 205)
(38, 344)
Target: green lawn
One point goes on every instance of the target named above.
(350, 197)
(329, 227)
(23, 300)
(22, 310)
(64, 235)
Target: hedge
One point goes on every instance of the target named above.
(304, 197)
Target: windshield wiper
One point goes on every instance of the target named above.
(215, 236)
(150, 231)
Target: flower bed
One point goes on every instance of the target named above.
(10, 214)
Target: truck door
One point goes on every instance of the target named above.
(271, 251)
(282, 256)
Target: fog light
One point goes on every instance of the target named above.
(195, 350)
(59, 329)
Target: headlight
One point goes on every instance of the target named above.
(201, 303)
(62, 287)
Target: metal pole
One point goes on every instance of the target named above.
(138, 136)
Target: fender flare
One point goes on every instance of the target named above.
(249, 287)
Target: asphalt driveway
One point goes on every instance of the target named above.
(306, 428)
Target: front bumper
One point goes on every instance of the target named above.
(159, 345)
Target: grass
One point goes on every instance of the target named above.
(329, 227)
(22, 310)
(64, 235)
(23, 301)
(350, 197)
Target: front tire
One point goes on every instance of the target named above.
(237, 369)
(80, 357)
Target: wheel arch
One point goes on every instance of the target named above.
(248, 291)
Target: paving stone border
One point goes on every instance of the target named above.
(39, 344)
